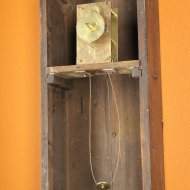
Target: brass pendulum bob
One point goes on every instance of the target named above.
(103, 185)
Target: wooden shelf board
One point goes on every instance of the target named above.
(86, 70)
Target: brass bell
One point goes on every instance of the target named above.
(103, 185)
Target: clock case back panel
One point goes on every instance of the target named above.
(67, 165)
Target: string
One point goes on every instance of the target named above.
(90, 129)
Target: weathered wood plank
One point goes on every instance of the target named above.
(57, 139)
(56, 31)
(104, 133)
(63, 111)
(155, 96)
(78, 71)
(58, 82)
(44, 97)
(150, 96)
(144, 105)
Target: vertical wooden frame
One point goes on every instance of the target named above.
(151, 126)
(151, 123)
(44, 97)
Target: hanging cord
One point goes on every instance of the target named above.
(90, 129)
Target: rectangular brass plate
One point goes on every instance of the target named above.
(105, 49)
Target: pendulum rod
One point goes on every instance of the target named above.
(103, 185)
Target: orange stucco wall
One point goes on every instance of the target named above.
(175, 55)
(20, 93)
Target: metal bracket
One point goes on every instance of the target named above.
(136, 72)
(58, 81)
(109, 71)
(83, 73)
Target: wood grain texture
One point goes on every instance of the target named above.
(59, 82)
(57, 140)
(143, 90)
(67, 120)
(64, 113)
(44, 96)
(56, 31)
(104, 133)
(83, 70)
(150, 96)
(155, 96)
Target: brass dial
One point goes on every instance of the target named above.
(90, 26)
